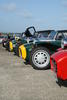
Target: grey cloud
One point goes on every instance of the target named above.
(10, 7)
(25, 14)
(40, 20)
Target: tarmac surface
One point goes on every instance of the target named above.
(19, 81)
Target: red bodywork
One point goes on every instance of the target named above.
(58, 63)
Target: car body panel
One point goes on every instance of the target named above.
(22, 51)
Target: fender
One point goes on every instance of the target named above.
(11, 46)
(22, 51)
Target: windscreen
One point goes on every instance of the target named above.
(52, 35)
(43, 34)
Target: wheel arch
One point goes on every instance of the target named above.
(45, 45)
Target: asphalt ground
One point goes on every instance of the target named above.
(19, 81)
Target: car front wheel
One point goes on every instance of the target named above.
(40, 58)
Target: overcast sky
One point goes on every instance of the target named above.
(16, 15)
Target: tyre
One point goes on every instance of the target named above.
(7, 46)
(40, 58)
(3, 44)
(16, 50)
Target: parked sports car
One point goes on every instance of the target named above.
(59, 64)
(38, 52)
(2, 38)
(29, 36)
(10, 40)
(9, 45)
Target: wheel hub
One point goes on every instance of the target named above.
(41, 58)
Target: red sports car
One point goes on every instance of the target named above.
(58, 63)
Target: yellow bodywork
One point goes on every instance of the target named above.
(11, 46)
(22, 52)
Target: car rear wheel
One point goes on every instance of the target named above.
(16, 50)
(40, 58)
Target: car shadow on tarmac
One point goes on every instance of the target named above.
(26, 63)
(62, 83)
